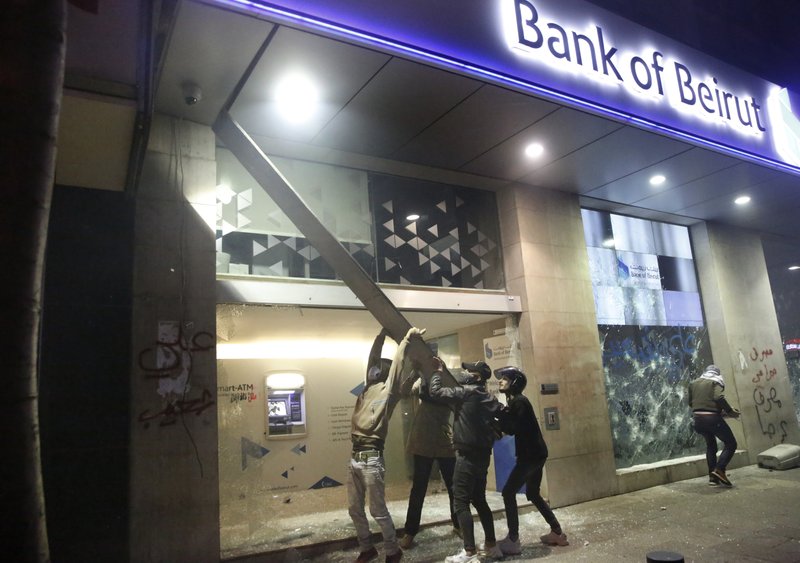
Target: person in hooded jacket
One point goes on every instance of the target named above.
(474, 433)
(518, 419)
(707, 401)
(369, 428)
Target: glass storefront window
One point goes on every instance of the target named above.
(288, 378)
(400, 230)
(652, 334)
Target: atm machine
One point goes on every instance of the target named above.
(285, 405)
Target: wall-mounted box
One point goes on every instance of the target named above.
(551, 421)
(549, 388)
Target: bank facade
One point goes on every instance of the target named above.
(249, 328)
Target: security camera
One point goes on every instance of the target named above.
(191, 93)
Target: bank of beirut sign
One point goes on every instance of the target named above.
(574, 53)
(649, 75)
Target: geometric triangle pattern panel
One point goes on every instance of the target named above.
(285, 256)
(452, 242)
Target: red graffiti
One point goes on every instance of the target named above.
(761, 356)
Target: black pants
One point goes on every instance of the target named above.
(419, 487)
(711, 427)
(469, 486)
(529, 473)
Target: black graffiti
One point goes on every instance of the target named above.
(173, 409)
(174, 352)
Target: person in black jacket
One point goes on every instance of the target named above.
(519, 420)
(473, 436)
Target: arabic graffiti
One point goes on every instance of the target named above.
(765, 395)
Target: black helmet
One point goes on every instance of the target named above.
(479, 367)
(515, 376)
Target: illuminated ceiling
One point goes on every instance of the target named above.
(390, 114)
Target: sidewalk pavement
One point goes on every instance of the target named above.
(756, 520)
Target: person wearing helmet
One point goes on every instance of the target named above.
(518, 419)
(369, 428)
(473, 436)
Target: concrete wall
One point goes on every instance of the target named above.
(546, 264)
(174, 489)
(745, 338)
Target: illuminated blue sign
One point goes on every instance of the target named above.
(574, 53)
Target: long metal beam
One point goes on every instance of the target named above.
(289, 201)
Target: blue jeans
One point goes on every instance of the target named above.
(711, 427)
(422, 473)
(529, 473)
(469, 486)
(365, 482)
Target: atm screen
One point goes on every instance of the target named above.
(277, 407)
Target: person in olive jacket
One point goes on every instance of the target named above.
(708, 403)
(518, 419)
(430, 439)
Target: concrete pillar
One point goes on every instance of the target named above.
(745, 338)
(546, 264)
(174, 492)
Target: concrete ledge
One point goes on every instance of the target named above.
(653, 474)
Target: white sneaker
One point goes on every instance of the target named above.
(509, 546)
(462, 557)
(494, 552)
(554, 539)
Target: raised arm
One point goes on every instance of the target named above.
(375, 351)
(439, 392)
(400, 370)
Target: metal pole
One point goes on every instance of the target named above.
(289, 201)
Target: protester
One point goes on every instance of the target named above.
(707, 401)
(518, 419)
(473, 435)
(370, 425)
(430, 439)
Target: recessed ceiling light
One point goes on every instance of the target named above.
(742, 199)
(534, 150)
(609, 243)
(412, 217)
(794, 267)
(296, 98)
(657, 180)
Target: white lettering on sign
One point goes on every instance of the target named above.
(648, 72)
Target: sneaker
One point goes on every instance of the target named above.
(713, 480)
(395, 557)
(462, 557)
(509, 546)
(720, 474)
(406, 541)
(554, 539)
(368, 555)
(493, 552)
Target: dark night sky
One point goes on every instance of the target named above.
(761, 37)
